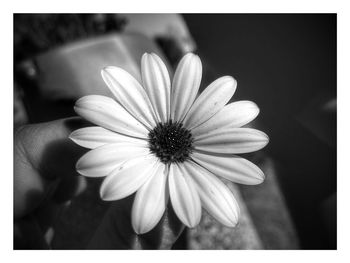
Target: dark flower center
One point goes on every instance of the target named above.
(170, 142)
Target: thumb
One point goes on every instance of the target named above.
(44, 157)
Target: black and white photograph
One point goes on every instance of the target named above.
(183, 131)
(175, 131)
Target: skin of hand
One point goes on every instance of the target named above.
(45, 179)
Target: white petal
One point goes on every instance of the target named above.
(231, 140)
(130, 94)
(156, 81)
(103, 160)
(211, 100)
(93, 137)
(215, 197)
(186, 82)
(184, 197)
(106, 112)
(129, 177)
(150, 202)
(233, 168)
(233, 115)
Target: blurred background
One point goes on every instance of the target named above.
(286, 63)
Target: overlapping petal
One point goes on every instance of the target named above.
(215, 197)
(107, 113)
(231, 140)
(120, 147)
(211, 100)
(186, 82)
(93, 137)
(233, 115)
(156, 82)
(233, 168)
(130, 94)
(184, 196)
(129, 177)
(150, 201)
(103, 160)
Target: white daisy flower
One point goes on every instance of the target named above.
(160, 141)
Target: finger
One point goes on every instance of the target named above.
(43, 158)
(69, 187)
(116, 232)
(28, 234)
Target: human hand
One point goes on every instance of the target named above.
(45, 179)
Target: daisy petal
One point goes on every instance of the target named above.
(156, 81)
(103, 160)
(211, 100)
(215, 197)
(231, 140)
(233, 115)
(150, 201)
(186, 82)
(129, 177)
(233, 168)
(130, 94)
(184, 197)
(93, 137)
(106, 112)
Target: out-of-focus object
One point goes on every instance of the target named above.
(54, 80)
(19, 112)
(268, 208)
(38, 34)
(56, 77)
(319, 116)
(210, 234)
(165, 27)
(73, 70)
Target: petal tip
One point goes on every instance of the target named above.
(264, 140)
(263, 177)
(193, 58)
(155, 56)
(108, 68)
(77, 165)
(234, 219)
(263, 137)
(189, 55)
(194, 223)
(256, 109)
(104, 196)
(232, 81)
(260, 178)
(72, 135)
(198, 61)
(144, 57)
(139, 230)
(233, 223)
(104, 70)
(78, 103)
(78, 168)
(73, 138)
(80, 172)
(267, 138)
(108, 71)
